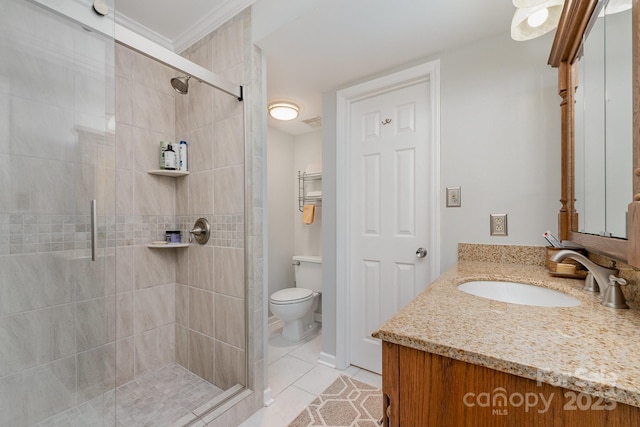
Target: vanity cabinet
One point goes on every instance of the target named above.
(425, 389)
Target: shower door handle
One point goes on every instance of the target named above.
(94, 230)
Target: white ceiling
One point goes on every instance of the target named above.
(316, 46)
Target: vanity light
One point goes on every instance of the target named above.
(283, 110)
(535, 20)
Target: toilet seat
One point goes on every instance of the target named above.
(291, 296)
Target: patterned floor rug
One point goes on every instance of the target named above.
(346, 402)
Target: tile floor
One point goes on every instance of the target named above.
(296, 378)
(170, 396)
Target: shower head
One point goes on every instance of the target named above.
(181, 84)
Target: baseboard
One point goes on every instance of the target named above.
(327, 360)
(268, 399)
(274, 324)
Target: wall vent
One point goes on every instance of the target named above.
(314, 122)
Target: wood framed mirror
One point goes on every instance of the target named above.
(578, 16)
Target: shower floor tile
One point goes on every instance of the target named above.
(166, 397)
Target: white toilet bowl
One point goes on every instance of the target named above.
(295, 307)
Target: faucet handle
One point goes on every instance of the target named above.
(590, 284)
(619, 280)
(613, 297)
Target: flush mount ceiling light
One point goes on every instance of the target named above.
(535, 18)
(283, 110)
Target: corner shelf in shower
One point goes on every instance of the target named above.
(168, 245)
(164, 172)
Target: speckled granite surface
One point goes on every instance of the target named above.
(588, 348)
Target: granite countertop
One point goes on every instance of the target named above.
(588, 348)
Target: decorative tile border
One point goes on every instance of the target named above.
(30, 233)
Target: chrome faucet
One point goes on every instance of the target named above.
(599, 273)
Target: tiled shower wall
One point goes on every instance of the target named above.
(145, 208)
(210, 294)
(200, 320)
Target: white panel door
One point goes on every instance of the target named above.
(389, 139)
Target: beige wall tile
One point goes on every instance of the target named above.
(230, 320)
(201, 193)
(182, 346)
(91, 330)
(201, 100)
(124, 315)
(153, 195)
(146, 148)
(201, 156)
(228, 142)
(201, 311)
(228, 50)
(201, 355)
(182, 266)
(56, 385)
(153, 74)
(201, 266)
(229, 271)
(182, 197)
(124, 101)
(96, 372)
(124, 361)
(154, 307)
(124, 146)
(230, 368)
(124, 269)
(124, 62)
(155, 110)
(124, 191)
(228, 190)
(182, 305)
(153, 267)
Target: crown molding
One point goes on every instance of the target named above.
(204, 26)
(144, 31)
(210, 22)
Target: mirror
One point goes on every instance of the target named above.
(604, 126)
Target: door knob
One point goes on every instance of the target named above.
(421, 253)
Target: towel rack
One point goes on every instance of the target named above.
(307, 182)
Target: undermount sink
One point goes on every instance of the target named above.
(518, 293)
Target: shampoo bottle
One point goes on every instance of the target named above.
(163, 148)
(170, 158)
(182, 155)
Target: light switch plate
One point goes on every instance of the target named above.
(453, 197)
(498, 223)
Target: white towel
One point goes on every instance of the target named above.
(314, 194)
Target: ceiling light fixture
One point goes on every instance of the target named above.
(615, 6)
(283, 110)
(535, 18)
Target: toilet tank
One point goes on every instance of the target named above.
(308, 273)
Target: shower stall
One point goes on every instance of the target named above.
(98, 326)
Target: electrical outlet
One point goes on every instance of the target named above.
(498, 224)
(453, 197)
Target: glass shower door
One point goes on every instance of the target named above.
(57, 305)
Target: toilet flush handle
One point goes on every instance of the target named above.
(296, 263)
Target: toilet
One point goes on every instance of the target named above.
(295, 306)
